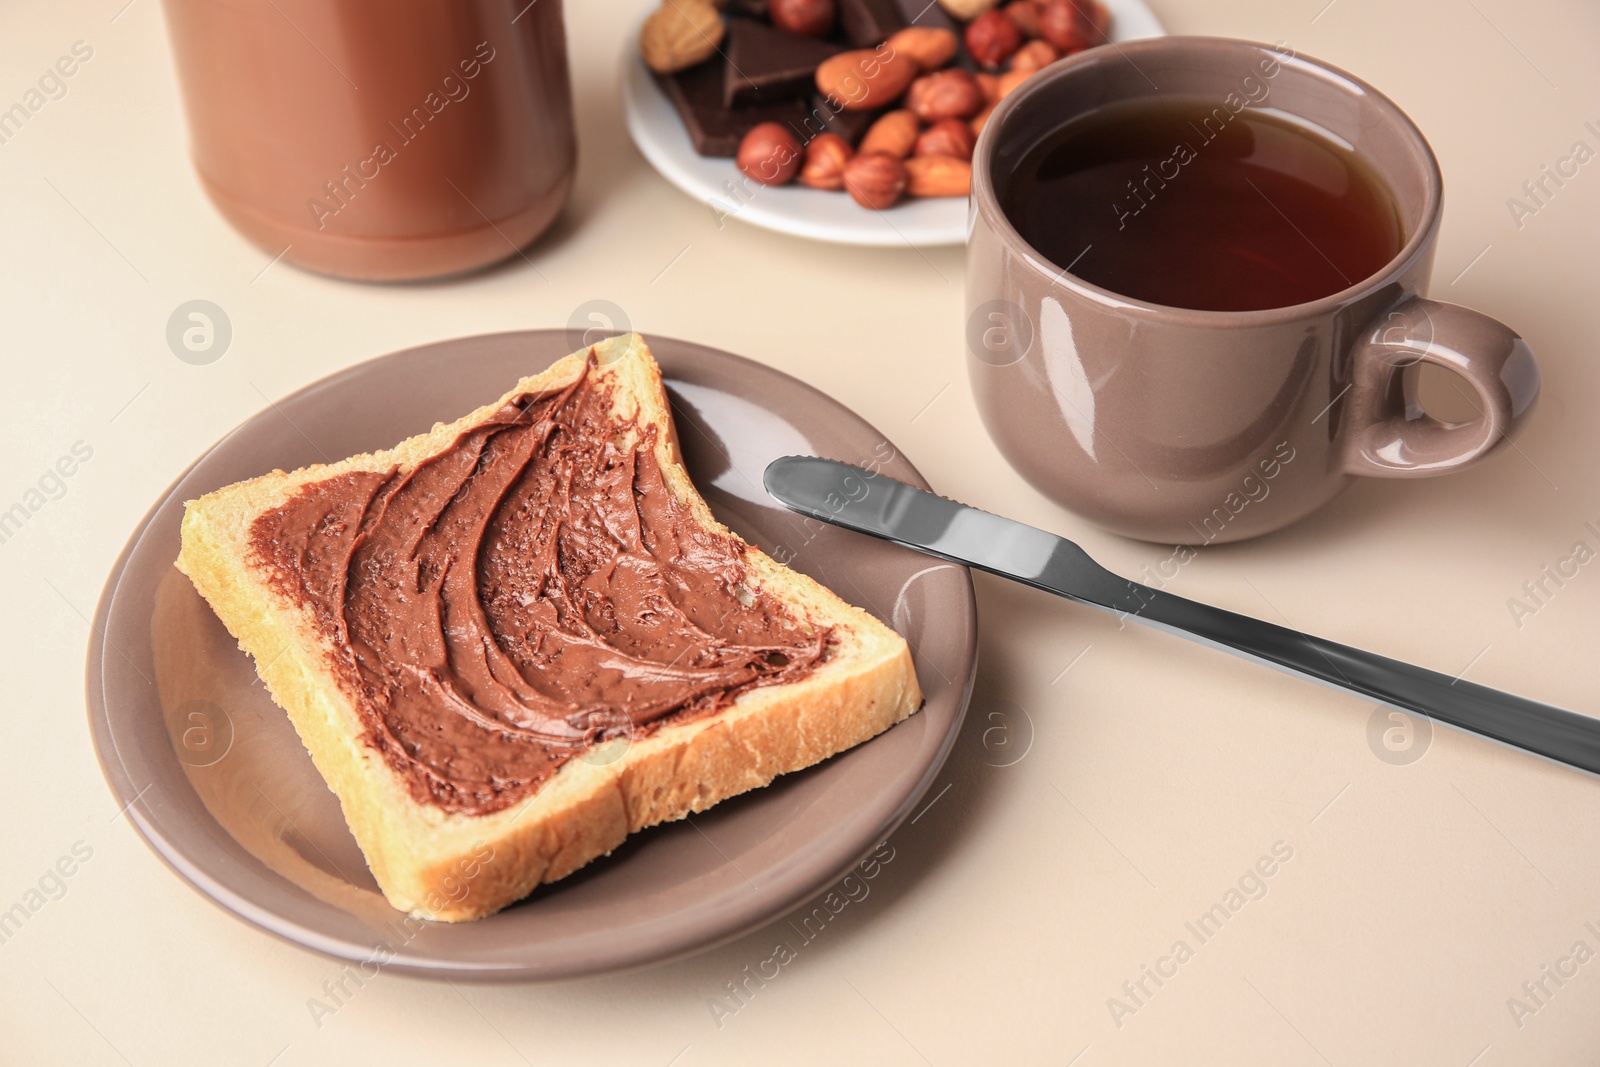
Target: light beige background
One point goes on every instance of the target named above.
(1419, 897)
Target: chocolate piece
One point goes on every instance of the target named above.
(927, 13)
(714, 128)
(817, 118)
(756, 9)
(820, 118)
(868, 22)
(530, 591)
(766, 64)
(850, 125)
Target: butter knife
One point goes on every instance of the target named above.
(870, 503)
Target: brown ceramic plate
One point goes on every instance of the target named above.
(215, 779)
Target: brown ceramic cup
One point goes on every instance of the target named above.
(1193, 427)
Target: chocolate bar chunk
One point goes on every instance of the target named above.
(867, 22)
(766, 64)
(818, 118)
(927, 13)
(848, 124)
(714, 128)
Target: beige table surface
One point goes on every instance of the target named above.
(1418, 900)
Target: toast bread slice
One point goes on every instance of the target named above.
(449, 865)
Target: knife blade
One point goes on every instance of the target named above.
(873, 504)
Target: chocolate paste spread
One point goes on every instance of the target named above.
(529, 592)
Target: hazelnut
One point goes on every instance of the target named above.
(1035, 55)
(945, 94)
(947, 137)
(808, 18)
(1025, 13)
(991, 39)
(770, 153)
(875, 180)
(990, 84)
(826, 156)
(894, 134)
(1073, 25)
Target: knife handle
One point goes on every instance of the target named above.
(1557, 733)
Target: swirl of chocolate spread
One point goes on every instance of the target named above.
(529, 592)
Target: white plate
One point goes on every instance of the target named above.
(815, 213)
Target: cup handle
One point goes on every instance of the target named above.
(1390, 435)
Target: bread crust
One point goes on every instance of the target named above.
(451, 867)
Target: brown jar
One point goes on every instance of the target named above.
(376, 140)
